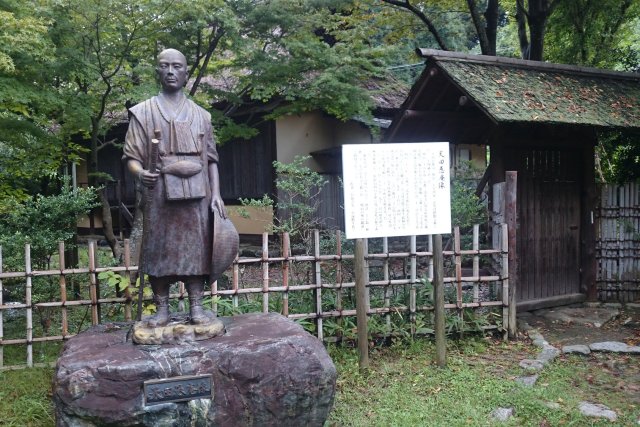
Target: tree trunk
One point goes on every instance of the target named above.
(537, 28)
(479, 24)
(107, 220)
(491, 15)
(107, 226)
(486, 28)
(535, 18)
(523, 39)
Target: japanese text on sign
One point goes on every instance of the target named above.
(178, 389)
(396, 189)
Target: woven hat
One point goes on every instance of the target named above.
(225, 245)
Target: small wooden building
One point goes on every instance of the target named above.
(541, 120)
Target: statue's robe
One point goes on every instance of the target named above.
(179, 239)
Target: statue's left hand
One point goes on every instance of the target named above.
(217, 203)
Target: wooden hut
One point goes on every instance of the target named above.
(541, 120)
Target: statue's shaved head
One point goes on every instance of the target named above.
(172, 53)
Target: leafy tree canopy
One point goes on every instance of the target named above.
(603, 33)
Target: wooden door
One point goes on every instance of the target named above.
(548, 240)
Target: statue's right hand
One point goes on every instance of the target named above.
(147, 178)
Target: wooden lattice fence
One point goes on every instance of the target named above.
(618, 243)
(315, 289)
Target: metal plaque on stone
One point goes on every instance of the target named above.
(178, 389)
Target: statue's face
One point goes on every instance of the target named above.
(172, 70)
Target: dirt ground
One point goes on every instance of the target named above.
(625, 327)
(614, 371)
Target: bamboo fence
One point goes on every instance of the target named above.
(274, 278)
(618, 243)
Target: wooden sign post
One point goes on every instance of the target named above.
(362, 281)
(399, 189)
(438, 301)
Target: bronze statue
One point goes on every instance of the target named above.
(185, 193)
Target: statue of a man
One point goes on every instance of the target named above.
(184, 193)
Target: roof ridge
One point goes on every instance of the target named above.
(443, 55)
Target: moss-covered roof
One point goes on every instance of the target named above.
(525, 91)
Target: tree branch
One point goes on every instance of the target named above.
(213, 44)
(194, 67)
(417, 12)
(520, 5)
(107, 143)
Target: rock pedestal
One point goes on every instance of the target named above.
(266, 371)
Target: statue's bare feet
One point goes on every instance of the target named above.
(200, 316)
(158, 319)
(161, 318)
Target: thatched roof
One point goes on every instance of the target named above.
(462, 97)
(511, 90)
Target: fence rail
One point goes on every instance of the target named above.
(321, 283)
(618, 243)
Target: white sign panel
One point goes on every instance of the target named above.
(396, 189)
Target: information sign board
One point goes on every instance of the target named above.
(398, 189)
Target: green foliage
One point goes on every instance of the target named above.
(403, 387)
(595, 33)
(618, 156)
(265, 202)
(119, 283)
(29, 148)
(28, 154)
(25, 398)
(298, 190)
(42, 221)
(466, 208)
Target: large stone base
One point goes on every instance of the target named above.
(266, 370)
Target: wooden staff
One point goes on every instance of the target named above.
(153, 168)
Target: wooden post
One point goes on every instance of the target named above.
(339, 279)
(438, 297)
(63, 291)
(476, 262)
(588, 260)
(387, 286)
(286, 264)
(235, 284)
(214, 294)
(511, 218)
(412, 287)
(431, 258)
(265, 272)
(504, 274)
(127, 275)
(457, 259)
(96, 264)
(182, 290)
(362, 280)
(92, 283)
(318, 278)
(27, 263)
